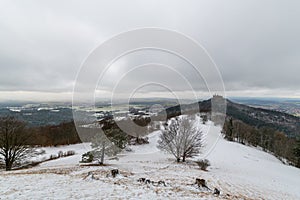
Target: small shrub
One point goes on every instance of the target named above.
(203, 164)
(87, 157)
(128, 149)
(52, 157)
(60, 154)
(139, 141)
(69, 153)
(41, 152)
(204, 119)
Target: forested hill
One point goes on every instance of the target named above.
(256, 117)
(259, 117)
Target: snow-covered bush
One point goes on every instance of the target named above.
(87, 157)
(69, 153)
(139, 141)
(203, 164)
(204, 118)
(128, 149)
(60, 154)
(52, 157)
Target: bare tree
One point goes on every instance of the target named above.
(181, 138)
(14, 142)
(103, 146)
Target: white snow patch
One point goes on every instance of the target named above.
(237, 170)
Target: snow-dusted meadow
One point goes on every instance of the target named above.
(239, 171)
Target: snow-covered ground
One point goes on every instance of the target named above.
(79, 149)
(239, 171)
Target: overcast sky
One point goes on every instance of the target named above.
(255, 44)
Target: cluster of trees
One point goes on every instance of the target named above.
(267, 138)
(113, 137)
(181, 138)
(18, 141)
(109, 142)
(54, 135)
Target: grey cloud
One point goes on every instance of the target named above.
(255, 44)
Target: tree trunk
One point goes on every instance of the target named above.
(8, 165)
(102, 153)
(184, 157)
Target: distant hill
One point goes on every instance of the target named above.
(38, 116)
(259, 117)
(256, 117)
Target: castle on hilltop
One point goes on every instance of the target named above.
(216, 97)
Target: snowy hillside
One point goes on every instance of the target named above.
(238, 171)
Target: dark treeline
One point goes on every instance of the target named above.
(267, 138)
(66, 133)
(53, 135)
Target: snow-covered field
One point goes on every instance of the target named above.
(240, 172)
